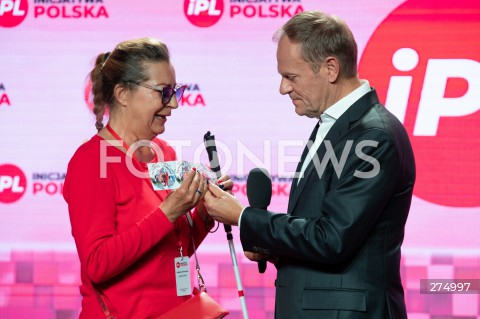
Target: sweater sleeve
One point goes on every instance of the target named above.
(103, 251)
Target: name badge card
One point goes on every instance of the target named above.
(182, 276)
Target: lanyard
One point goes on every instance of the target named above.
(178, 232)
(127, 147)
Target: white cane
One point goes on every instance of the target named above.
(211, 148)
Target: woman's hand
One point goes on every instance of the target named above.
(225, 183)
(184, 198)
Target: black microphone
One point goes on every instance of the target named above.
(259, 194)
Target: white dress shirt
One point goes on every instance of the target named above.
(329, 117)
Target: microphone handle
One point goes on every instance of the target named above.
(262, 266)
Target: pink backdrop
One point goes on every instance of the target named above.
(422, 56)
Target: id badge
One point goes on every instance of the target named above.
(182, 276)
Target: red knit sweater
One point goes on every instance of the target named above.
(125, 243)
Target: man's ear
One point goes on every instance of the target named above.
(121, 94)
(332, 68)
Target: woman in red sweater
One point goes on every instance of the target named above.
(128, 235)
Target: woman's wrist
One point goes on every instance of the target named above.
(207, 220)
(168, 212)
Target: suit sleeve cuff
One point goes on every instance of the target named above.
(240, 217)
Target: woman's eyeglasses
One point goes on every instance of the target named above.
(166, 91)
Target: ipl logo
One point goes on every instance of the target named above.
(431, 81)
(203, 13)
(12, 12)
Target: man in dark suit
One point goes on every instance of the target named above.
(337, 250)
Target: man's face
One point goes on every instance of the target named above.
(308, 90)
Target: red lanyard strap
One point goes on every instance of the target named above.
(178, 233)
(117, 137)
(126, 146)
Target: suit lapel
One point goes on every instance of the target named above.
(338, 130)
(304, 154)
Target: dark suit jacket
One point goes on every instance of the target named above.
(339, 244)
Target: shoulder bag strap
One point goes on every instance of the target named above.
(102, 303)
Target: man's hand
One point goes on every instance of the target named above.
(222, 206)
(258, 256)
